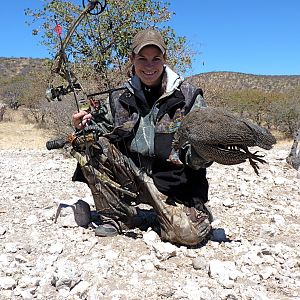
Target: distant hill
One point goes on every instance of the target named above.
(265, 99)
(11, 67)
(211, 83)
(237, 81)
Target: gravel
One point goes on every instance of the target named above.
(252, 254)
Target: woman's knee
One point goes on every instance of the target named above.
(184, 230)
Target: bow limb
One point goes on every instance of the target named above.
(60, 57)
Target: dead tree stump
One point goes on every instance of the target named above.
(293, 158)
(2, 111)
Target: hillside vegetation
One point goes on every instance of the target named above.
(235, 81)
(12, 67)
(272, 101)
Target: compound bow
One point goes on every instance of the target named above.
(89, 135)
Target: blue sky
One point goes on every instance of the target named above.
(248, 36)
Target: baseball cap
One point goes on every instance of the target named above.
(148, 37)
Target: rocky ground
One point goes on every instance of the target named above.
(254, 252)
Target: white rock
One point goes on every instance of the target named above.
(118, 294)
(268, 230)
(192, 290)
(27, 294)
(28, 281)
(7, 283)
(134, 280)
(278, 220)
(20, 258)
(228, 294)
(244, 189)
(215, 223)
(111, 255)
(225, 271)
(252, 258)
(81, 289)
(150, 237)
(145, 257)
(273, 169)
(45, 261)
(267, 272)
(149, 282)
(255, 294)
(279, 180)
(56, 248)
(5, 259)
(164, 250)
(2, 230)
(11, 247)
(64, 292)
(226, 282)
(8, 294)
(199, 263)
(228, 203)
(31, 220)
(215, 201)
(149, 266)
(205, 293)
(67, 274)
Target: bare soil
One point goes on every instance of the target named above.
(16, 132)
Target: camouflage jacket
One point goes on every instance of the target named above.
(145, 135)
(150, 133)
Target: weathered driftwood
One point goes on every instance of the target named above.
(2, 111)
(293, 158)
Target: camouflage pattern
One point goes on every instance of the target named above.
(125, 121)
(109, 178)
(170, 125)
(109, 172)
(179, 223)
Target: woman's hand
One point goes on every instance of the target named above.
(80, 119)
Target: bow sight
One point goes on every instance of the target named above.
(55, 93)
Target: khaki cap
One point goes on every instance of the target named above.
(146, 38)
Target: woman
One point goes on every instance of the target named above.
(146, 114)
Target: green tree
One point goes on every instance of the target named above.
(101, 43)
(254, 104)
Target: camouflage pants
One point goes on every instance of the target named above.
(110, 174)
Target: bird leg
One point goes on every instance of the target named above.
(254, 158)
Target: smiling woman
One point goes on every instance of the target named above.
(148, 57)
(146, 113)
(149, 65)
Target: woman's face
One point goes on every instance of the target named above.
(149, 65)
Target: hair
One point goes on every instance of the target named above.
(129, 67)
